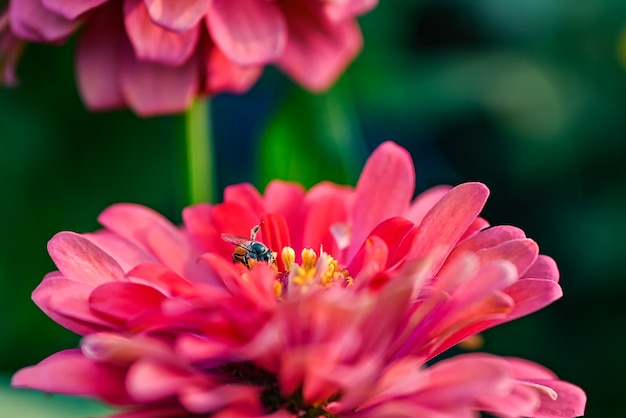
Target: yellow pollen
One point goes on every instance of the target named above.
(278, 289)
(305, 276)
(288, 255)
(308, 258)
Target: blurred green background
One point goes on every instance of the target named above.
(527, 96)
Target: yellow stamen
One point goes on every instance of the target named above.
(278, 289)
(308, 258)
(288, 255)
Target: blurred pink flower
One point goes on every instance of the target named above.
(156, 55)
(173, 328)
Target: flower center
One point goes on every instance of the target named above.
(312, 272)
(271, 397)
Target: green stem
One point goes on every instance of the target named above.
(200, 153)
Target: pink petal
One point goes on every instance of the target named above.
(543, 268)
(220, 74)
(323, 207)
(570, 402)
(150, 381)
(275, 235)
(339, 10)
(521, 252)
(462, 379)
(200, 400)
(490, 237)
(524, 369)
(126, 254)
(317, 50)
(448, 220)
(383, 191)
(65, 301)
(122, 302)
(398, 233)
(71, 373)
(286, 199)
(161, 278)
(530, 295)
(249, 32)
(179, 15)
(425, 202)
(32, 21)
(98, 56)
(198, 221)
(71, 9)
(82, 261)
(233, 218)
(155, 43)
(370, 259)
(151, 88)
(246, 195)
(153, 232)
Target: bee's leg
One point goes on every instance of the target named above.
(254, 231)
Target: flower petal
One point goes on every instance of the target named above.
(71, 373)
(246, 195)
(383, 191)
(249, 32)
(153, 232)
(544, 268)
(121, 302)
(32, 21)
(275, 235)
(71, 9)
(530, 295)
(339, 10)
(151, 88)
(317, 50)
(448, 220)
(221, 74)
(149, 380)
(425, 202)
(154, 43)
(179, 15)
(98, 56)
(65, 301)
(82, 261)
(570, 402)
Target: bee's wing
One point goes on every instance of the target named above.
(235, 239)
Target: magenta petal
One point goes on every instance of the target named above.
(249, 32)
(153, 232)
(286, 199)
(127, 254)
(530, 295)
(317, 50)
(339, 10)
(544, 268)
(98, 60)
(425, 202)
(246, 195)
(71, 373)
(448, 220)
(222, 74)
(31, 21)
(82, 261)
(154, 43)
(149, 381)
(151, 88)
(570, 402)
(275, 235)
(71, 9)
(65, 301)
(179, 15)
(521, 252)
(124, 301)
(323, 207)
(384, 190)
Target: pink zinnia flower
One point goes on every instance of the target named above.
(156, 55)
(380, 285)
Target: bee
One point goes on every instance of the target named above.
(249, 249)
